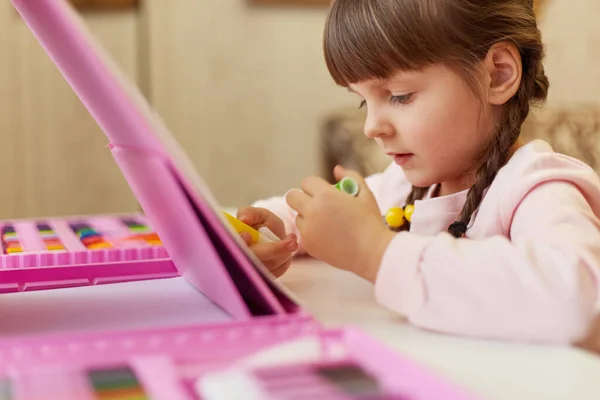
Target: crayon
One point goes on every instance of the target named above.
(262, 235)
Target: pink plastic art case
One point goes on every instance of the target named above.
(159, 338)
(47, 253)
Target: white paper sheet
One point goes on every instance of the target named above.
(131, 305)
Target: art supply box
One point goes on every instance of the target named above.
(183, 337)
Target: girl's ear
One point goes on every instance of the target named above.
(504, 69)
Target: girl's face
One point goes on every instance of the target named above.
(430, 122)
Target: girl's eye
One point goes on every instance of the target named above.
(404, 99)
(363, 104)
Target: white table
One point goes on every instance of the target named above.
(495, 370)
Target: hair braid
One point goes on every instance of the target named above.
(417, 193)
(534, 85)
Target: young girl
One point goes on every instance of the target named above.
(500, 239)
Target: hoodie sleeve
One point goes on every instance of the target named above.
(540, 283)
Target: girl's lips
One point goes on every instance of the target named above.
(402, 159)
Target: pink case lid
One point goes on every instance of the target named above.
(204, 248)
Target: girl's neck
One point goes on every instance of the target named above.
(467, 180)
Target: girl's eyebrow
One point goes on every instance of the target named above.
(354, 91)
(378, 83)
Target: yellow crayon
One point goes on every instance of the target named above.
(265, 235)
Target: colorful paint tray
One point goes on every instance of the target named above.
(47, 253)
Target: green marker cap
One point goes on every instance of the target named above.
(348, 185)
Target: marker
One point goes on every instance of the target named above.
(348, 185)
(262, 235)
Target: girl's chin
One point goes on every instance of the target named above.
(418, 178)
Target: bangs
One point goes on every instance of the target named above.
(373, 39)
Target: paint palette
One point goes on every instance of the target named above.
(72, 234)
(78, 251)
(10, 242)
(206, 363)
(116, 384)
(5, 389)
(49, 237)
(346, 380)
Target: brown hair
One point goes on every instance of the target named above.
(373, 39)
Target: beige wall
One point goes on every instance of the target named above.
(243, 88)
(572, 34)
(52, 153)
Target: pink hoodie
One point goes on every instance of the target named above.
(528, 269)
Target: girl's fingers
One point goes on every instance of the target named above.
(258, 217)
(313, 185)
(275, 256)
(253, 216)
(277, 263)
(246, 237)
(274, 250)
(280, 270)
(297, 200)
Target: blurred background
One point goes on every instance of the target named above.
(243, 87)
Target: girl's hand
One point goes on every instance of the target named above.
(277, 256)
(346, 232)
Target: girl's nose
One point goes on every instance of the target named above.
(377, 126)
